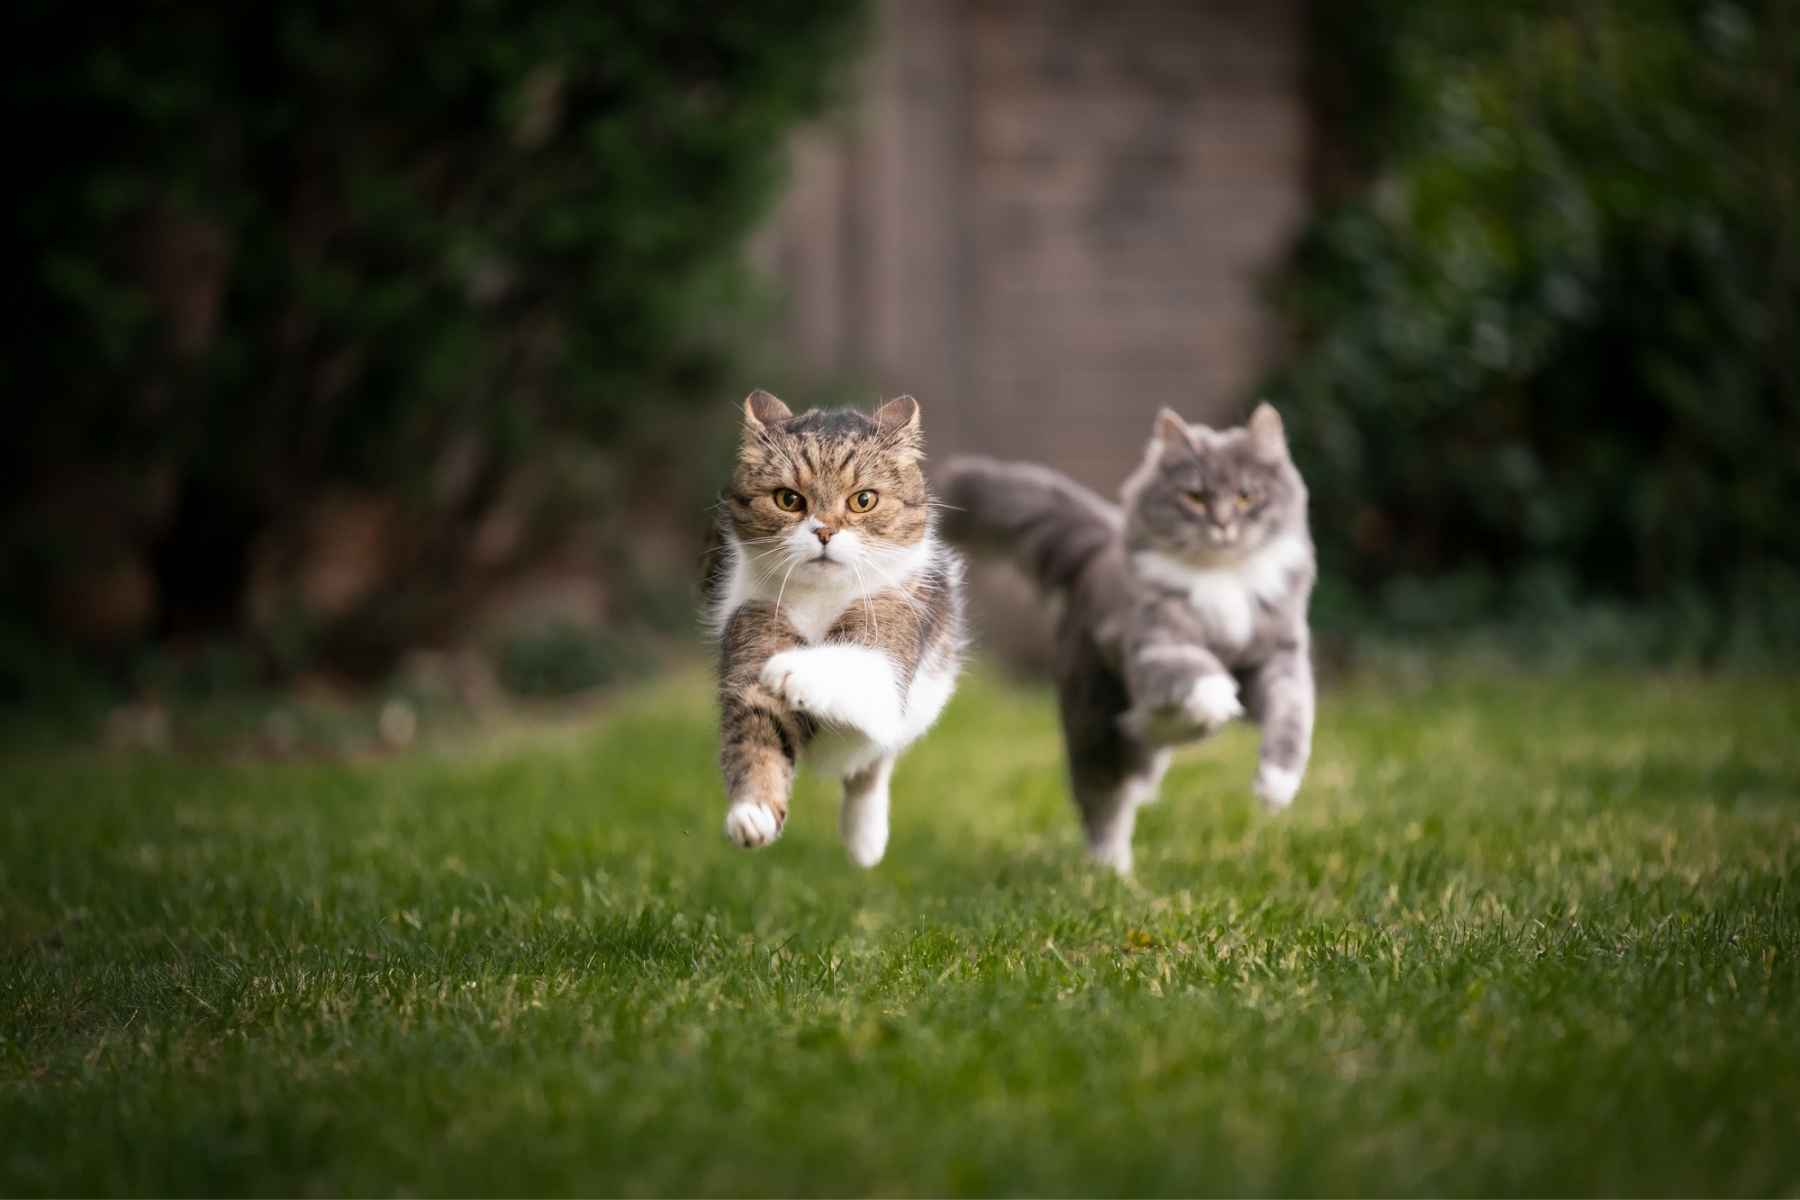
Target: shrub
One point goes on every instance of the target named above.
(1546, 336)
(380, 254)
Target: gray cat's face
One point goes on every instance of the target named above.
(1211, 496)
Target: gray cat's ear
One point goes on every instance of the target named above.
(1172, 431)
(899, 416)
(762, 410)
(1266, 432)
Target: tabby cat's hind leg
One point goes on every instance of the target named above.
(863, 819)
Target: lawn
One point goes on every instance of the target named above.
(1519, 934)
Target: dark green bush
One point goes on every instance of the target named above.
(265, 251)
(561, 659)
(1547, 335)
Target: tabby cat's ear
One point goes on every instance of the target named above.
(762, 410)
(1172, 431)
(1266, 432)
(899, 416)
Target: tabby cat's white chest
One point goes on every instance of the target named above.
(811, 603)
(809, 598)
(813, 610)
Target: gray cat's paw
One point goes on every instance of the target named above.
(1212, 701)
(1276, 786)
(1203, 707)
(1114, 855)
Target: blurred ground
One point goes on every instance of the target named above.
(1522, 933)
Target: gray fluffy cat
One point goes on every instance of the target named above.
(1183, 610)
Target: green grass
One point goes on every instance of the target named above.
(1521, 934)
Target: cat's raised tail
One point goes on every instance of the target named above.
(1044, 521)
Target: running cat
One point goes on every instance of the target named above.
(838, 611)
(1184, 610)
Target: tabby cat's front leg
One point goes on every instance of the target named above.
(760, 734)
(857, 682)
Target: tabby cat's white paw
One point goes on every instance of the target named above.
(1276, 786)
(849, 686)
(1213, 701)
(866, 840)
(749, 824)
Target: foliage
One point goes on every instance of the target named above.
(1546, 336)
(561, 659)
(281, 250)
(1518, 936)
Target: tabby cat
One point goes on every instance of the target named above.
(838, 611)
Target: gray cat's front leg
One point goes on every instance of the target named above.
(1179, 692)
(1281, 698)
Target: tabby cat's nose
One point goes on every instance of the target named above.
(824, 532)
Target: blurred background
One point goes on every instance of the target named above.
(395, 349)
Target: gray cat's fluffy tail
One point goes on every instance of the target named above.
(1046, 522)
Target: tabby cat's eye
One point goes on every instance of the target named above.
(1243, 501)
(1198, 498)
(863, 501)
(788, 500)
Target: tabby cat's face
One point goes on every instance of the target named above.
(831, 494)
(1213, 496)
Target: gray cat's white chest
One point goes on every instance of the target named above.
(1229, 599)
